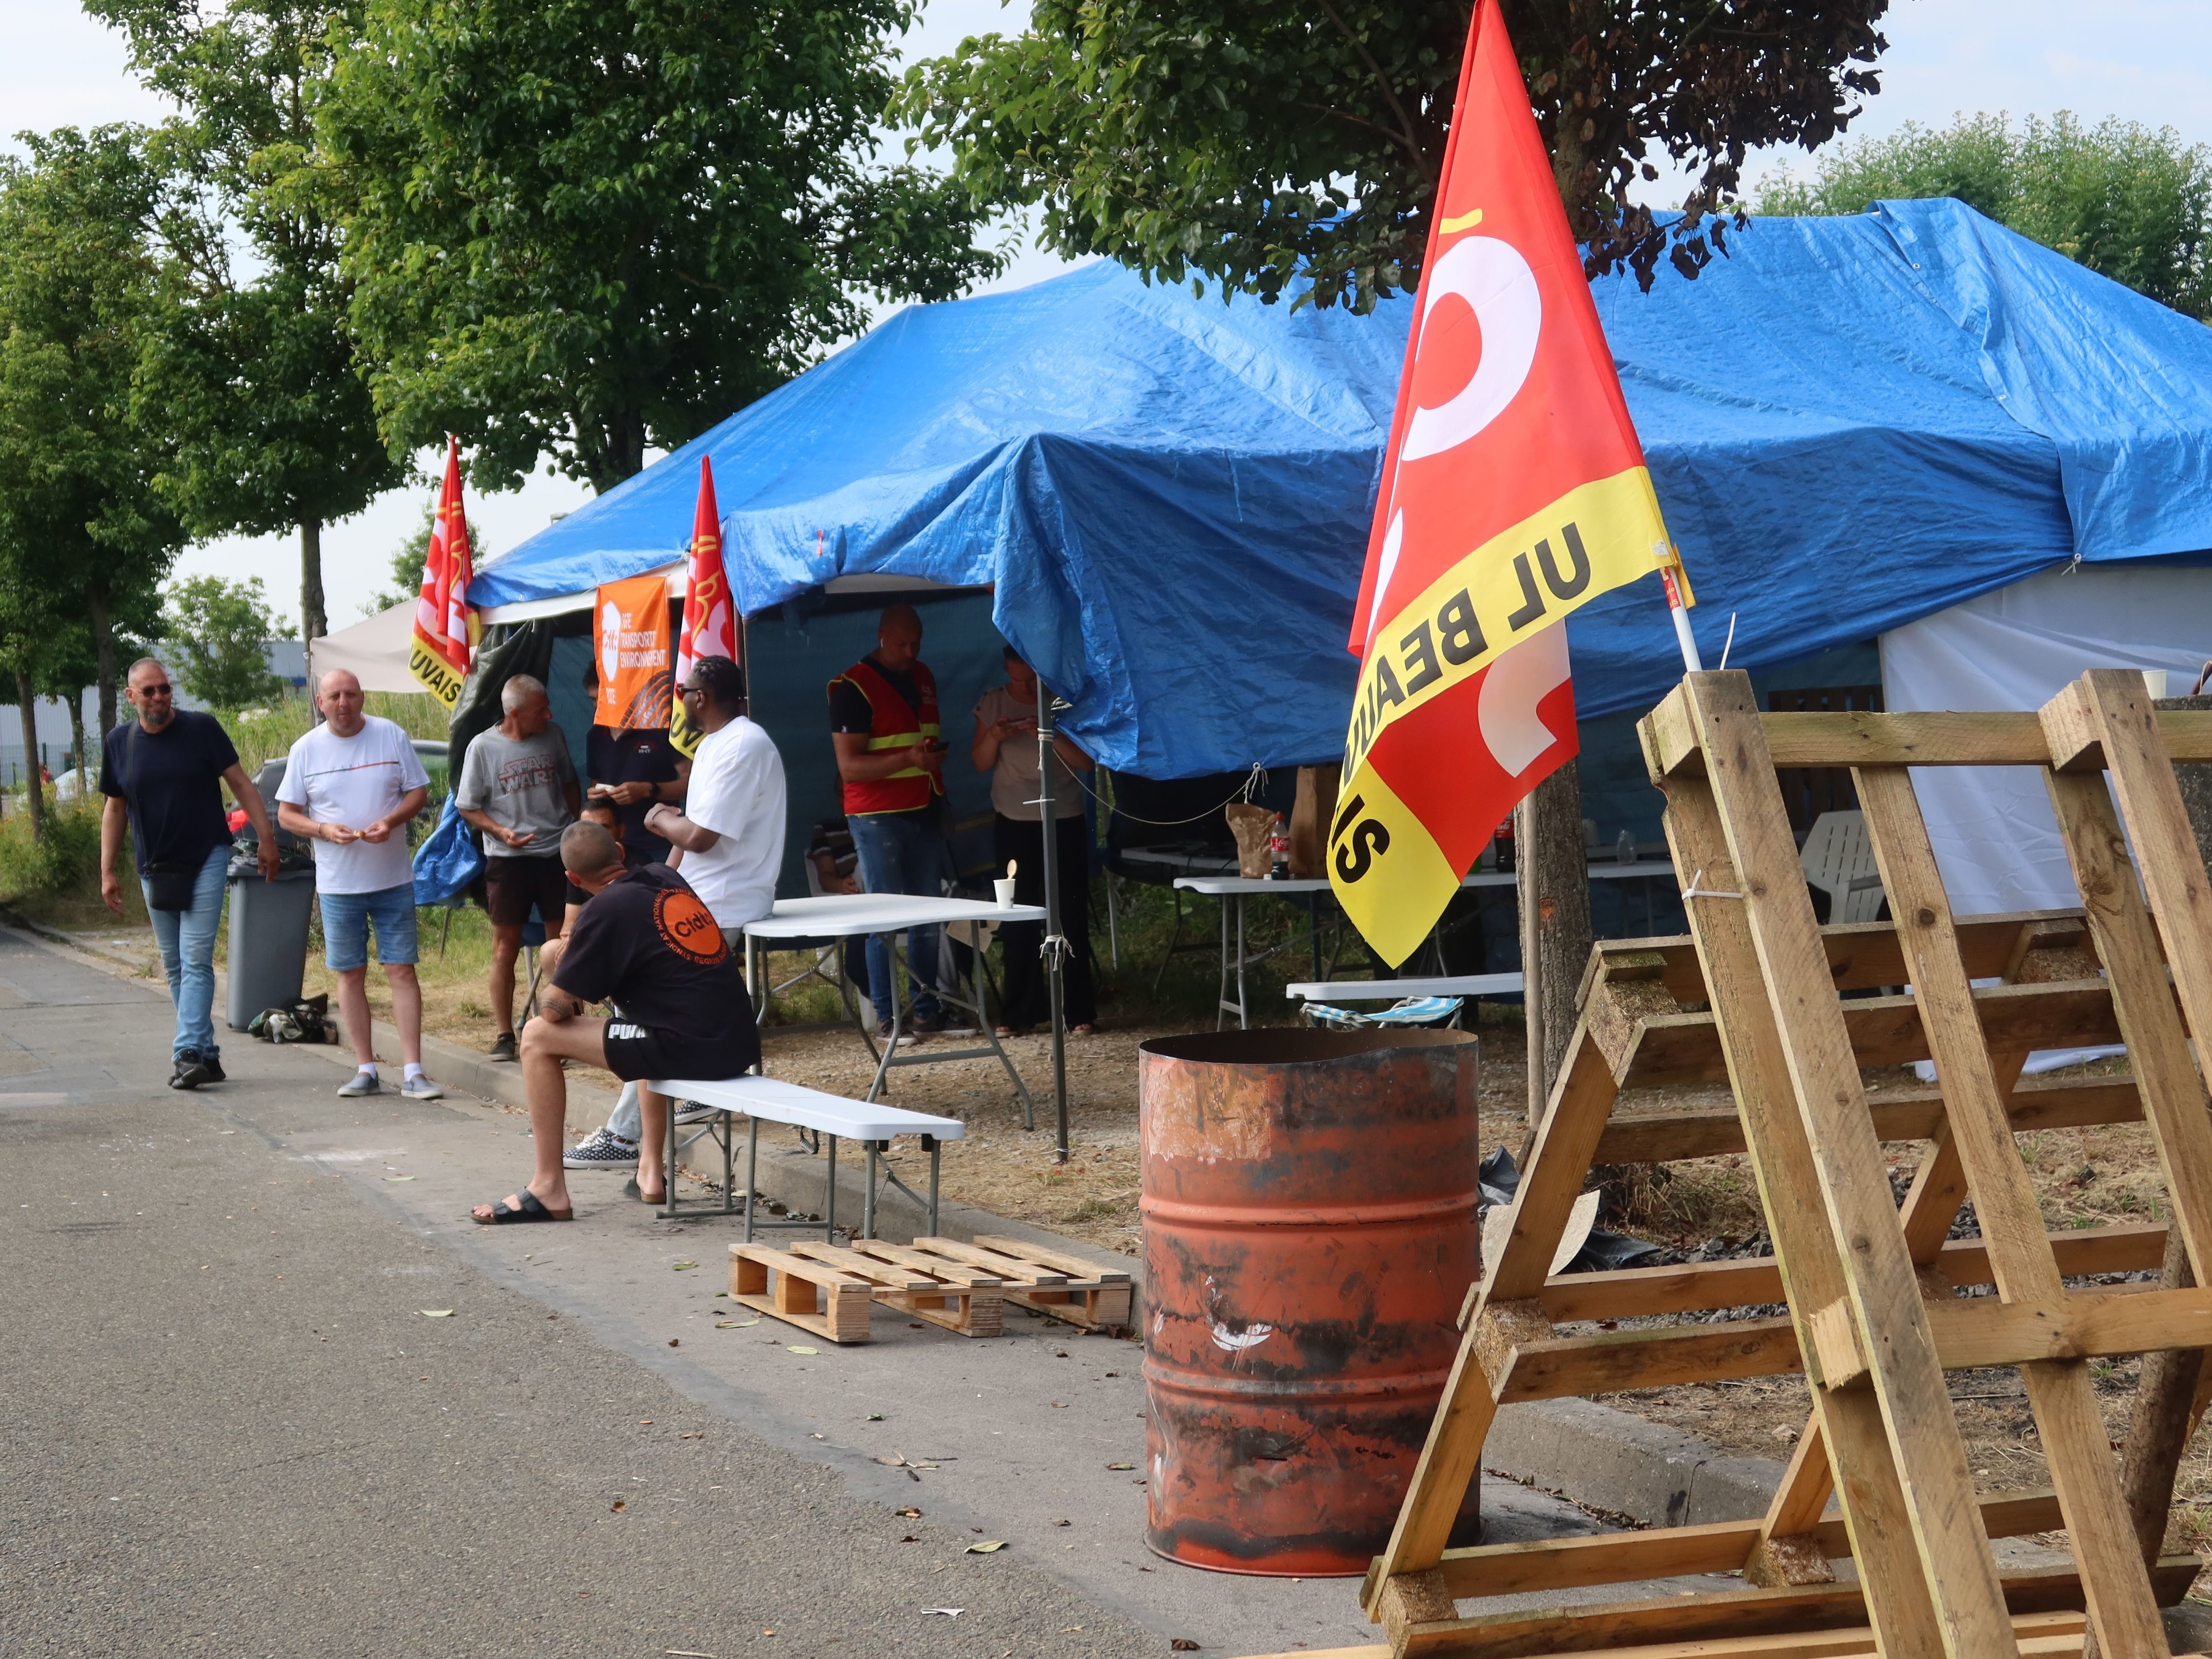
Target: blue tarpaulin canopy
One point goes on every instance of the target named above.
(1852, 423)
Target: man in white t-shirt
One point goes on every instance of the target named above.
(728, 835)
(350, 786)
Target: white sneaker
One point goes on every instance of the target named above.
(603, 1149)
(420, 1087)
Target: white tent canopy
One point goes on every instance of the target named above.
(374, 651)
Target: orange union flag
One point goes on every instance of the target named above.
(710, 627)
(1514, 492)
(445, 625)
(629, 637)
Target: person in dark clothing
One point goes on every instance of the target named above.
(163, 774)
(1006, 746)
(645, 942)
(633, 771)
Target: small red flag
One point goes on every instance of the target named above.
(709, 628)
(1514, 492)
(446, 627)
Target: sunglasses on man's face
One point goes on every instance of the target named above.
(690, 691)
(162, 691)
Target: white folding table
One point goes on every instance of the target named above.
(855, 915)
(1393, 990)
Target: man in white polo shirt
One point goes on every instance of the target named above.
(350, 786)
(729, 832)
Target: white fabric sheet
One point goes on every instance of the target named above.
(1992, 828)
(373, 651)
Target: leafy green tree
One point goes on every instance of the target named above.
(578, 227)
(31, 612)
(2133, 204)
(254, 369)
(219, 635)
(79, 513)
(1267, 146)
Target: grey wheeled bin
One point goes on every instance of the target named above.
(268, 941)
(268, 920)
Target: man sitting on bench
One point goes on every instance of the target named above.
(645, 941)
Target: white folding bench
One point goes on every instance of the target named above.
(770, 1100)
(1391, 990)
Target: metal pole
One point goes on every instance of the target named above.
(1056, 947)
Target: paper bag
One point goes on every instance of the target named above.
(1251, 825)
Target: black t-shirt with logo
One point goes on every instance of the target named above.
(648, 943)
(172, 781)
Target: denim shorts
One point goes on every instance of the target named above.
(346, 918)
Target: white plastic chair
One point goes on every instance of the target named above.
(1838, 859)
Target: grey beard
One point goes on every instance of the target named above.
(155, 719)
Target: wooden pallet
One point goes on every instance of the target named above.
(1875, 1319)
(830, 1289)
(1055, 1283)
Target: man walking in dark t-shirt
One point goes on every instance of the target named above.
(646, 942)
(163, 774)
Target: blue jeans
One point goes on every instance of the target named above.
(628, 1121)
(187, 942)
(346, 918)
(901, 853)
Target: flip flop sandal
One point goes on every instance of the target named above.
(631, 1190)
(530, 1210)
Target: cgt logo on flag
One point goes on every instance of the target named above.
(446, 628)
(709, 626)
(1514, 493)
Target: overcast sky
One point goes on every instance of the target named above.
(2148, 60)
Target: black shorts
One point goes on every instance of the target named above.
(638, 1052)
(513, 886)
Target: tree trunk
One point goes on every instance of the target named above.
(26, 705)
(102, 619)
(314, 623)
(1555, 921)
(77, 741)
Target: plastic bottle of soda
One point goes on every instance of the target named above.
(1505, 846)
(1278, 850)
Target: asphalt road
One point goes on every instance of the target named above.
(232, 1427)
(232, 1430)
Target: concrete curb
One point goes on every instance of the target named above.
(1598, 1454)
(1612, 1460)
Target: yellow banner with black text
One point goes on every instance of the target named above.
(1527, 579)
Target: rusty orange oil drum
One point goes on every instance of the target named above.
(1309, 1203)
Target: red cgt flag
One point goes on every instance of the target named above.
(446, 624)
(1514, 491)
(710, 626)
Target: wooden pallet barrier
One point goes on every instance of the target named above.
(1055, 1283)
(829, 1289)
(1875, 1317)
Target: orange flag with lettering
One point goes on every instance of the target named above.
(629, 637)
(1514, 492)
(446, 624)
(710, 624)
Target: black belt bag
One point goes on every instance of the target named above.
(171, 886)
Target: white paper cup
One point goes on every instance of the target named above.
(1003, 887)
